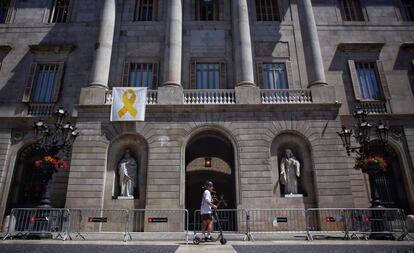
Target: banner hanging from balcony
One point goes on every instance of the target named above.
(128, 103)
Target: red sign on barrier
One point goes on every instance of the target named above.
(330, 219)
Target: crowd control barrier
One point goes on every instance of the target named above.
(84, 222)
(158, 220)
(326, 222)
(34, 222)
(232, 221)
(375, 223)
(277, 221)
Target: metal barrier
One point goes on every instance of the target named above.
(326, 221)
(376, 222)
(90, 221)
(231, 221)
(38, 221)
(277, 221)
(158, 220)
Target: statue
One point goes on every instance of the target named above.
(127, 169)
(289, 173)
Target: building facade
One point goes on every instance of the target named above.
(231, 85)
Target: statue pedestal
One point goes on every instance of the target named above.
(293, 195)
(125, 197)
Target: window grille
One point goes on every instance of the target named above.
(274, 76)
(45, 82)
(5, 11)
(407, 9)
(368, 80)
(267, 10)
(144, 10)
(351, 10)
(142, 75)
(207, 10)
(60, 11)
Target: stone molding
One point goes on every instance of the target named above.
(361, 47)
(55, 48)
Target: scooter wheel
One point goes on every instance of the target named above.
(223, 241)
(196, 241)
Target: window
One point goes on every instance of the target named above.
(207, 75)
(141, 75)
(267, 10)
(407, 10)
(60, 11)
(369, 80)
(5, 11)
(272, 76)
(44, 83)
(144, 10)
(351, 10)
(207, 10)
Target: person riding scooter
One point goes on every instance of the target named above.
(206, 211)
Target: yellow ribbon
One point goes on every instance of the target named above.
(128, 104)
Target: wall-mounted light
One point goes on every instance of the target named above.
(207, 162)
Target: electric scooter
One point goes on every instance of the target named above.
(197, 240)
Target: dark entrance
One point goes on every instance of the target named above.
(390, 185)
(209, 156)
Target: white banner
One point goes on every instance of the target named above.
(128, 103)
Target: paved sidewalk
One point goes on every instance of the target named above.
(335, 246)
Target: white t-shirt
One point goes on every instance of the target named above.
(205, 207)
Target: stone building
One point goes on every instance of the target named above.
(232, 85)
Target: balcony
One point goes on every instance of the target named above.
(286, 96)
(212, 97)
(374, 107)
(41, 109)
(152, 97)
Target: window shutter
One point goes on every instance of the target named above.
(58, 82)
(155, 75)
(193, 75)
(29, 85)
(259, 67)
(383, 80)
(223, 83)
(289, 74)
(125, 74)
(354, 79)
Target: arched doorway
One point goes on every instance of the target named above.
(390, 185)
(25, 187)
(209, 156)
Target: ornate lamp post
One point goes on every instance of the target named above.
(53, 142)
(361, 133)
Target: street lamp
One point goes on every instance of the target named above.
(53, 142)
(362, 134)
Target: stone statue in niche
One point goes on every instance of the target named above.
(289, 173)
(127, 169)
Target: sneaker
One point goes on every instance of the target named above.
(209, 238)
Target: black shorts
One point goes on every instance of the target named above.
(206, 216)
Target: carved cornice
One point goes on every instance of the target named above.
(408, 45)
(52, 48)
(361, 47)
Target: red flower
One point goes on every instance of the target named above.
(37, 163)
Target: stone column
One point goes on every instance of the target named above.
(171, 91)
(316, 72)
(246, 91)
(95, 93)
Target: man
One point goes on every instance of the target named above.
(206, 211)
(127, 169)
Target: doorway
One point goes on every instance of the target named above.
(210, 156)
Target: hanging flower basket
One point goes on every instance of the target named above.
(50, 164)
(371, 164)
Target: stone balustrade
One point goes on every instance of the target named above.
(286, 96)
(374, 107)
(209, 97)
(152, 97)
(41, 109)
